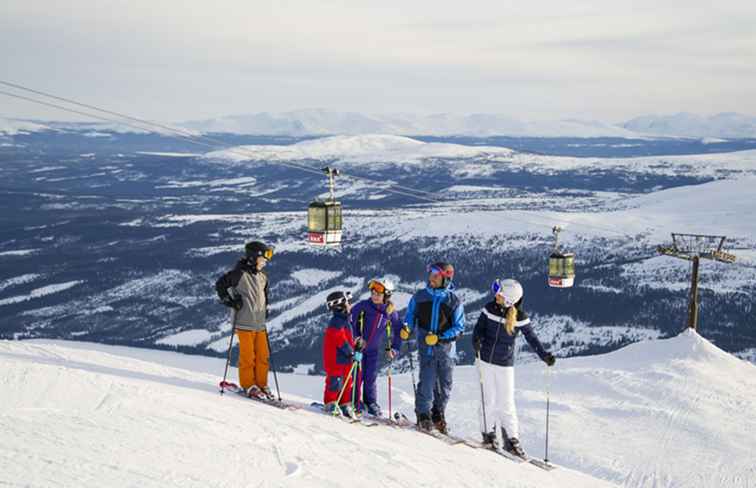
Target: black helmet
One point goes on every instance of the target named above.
(337, 300)
(255, 249)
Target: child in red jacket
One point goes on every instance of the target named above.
(340, 351)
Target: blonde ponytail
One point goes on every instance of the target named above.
(389, 307)
(511, 320)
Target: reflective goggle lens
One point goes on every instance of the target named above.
(376, 287)
(436, 270)
(268, 254)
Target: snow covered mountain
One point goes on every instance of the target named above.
(120, 238)
(327, 122)
(724, 125)
(671, 413)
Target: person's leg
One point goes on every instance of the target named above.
(426, 382)
(369, 378)
(333, 384)
(246, 359)
(505, 386)
(489, 395)
(444, 365)
(262, 358)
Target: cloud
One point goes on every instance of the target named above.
(193, 59)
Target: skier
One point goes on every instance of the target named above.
(439, 318)
(245, 289)
(370, 318)
(340, 353)
(494, 336)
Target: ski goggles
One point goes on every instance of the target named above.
(496, 289)
(346, 298)
(433, 269)
(377, 287)
(268, 253)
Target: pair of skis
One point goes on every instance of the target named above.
(234, 388)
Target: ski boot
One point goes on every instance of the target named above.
(439, 422)
(254, 391)
(490, 440)
(424, 422)
(513, 446)
(348, 411)
(374, 409)
(267, 393)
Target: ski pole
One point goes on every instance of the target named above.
(391, 363)
(272, 366)
(346, 382)
(548, 389)
(228, 354)
(482, 395)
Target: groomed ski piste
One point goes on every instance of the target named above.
(676, 412)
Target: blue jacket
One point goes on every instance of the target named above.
(369, 321)
(496, 346)
(436, 310)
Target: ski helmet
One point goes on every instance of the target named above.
(382, 285)
(510, 290)
(337, 301)
(446, 270)
(255, 249)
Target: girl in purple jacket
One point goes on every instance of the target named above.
(375, 319)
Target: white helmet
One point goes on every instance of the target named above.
(382, 285)
(509, 289)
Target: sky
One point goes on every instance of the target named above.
(175, 60)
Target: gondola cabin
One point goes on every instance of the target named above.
(324, 223)
(561, 270)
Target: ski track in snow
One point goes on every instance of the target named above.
(665, 413)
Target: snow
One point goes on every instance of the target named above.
(326, 122)
(356, 149)
(723, 125)
(40, 292)
(186, 338)
(314, 277)
(240, 182)
(672, 413)
(18, 252)
(19, 280)
(12, 127)
(476, 161)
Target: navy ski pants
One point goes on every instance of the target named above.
(434, 387)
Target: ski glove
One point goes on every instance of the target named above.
(549, 359)
(359, 344)
(405, 332)
(357, 356)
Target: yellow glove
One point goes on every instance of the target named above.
(431, 339)
(405, 332)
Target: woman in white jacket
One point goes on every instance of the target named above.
(498, 326)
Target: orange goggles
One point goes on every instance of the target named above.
(376, 287)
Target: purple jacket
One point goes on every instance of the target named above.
(369, 322)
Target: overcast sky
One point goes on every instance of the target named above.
(531, 59)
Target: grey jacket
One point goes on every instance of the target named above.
(252, 286)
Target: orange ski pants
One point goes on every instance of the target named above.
(253, 358)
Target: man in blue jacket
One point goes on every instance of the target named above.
(439, 318)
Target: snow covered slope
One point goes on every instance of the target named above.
(671, 413)
(84, 415)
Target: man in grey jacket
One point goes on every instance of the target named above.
(245, 289)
